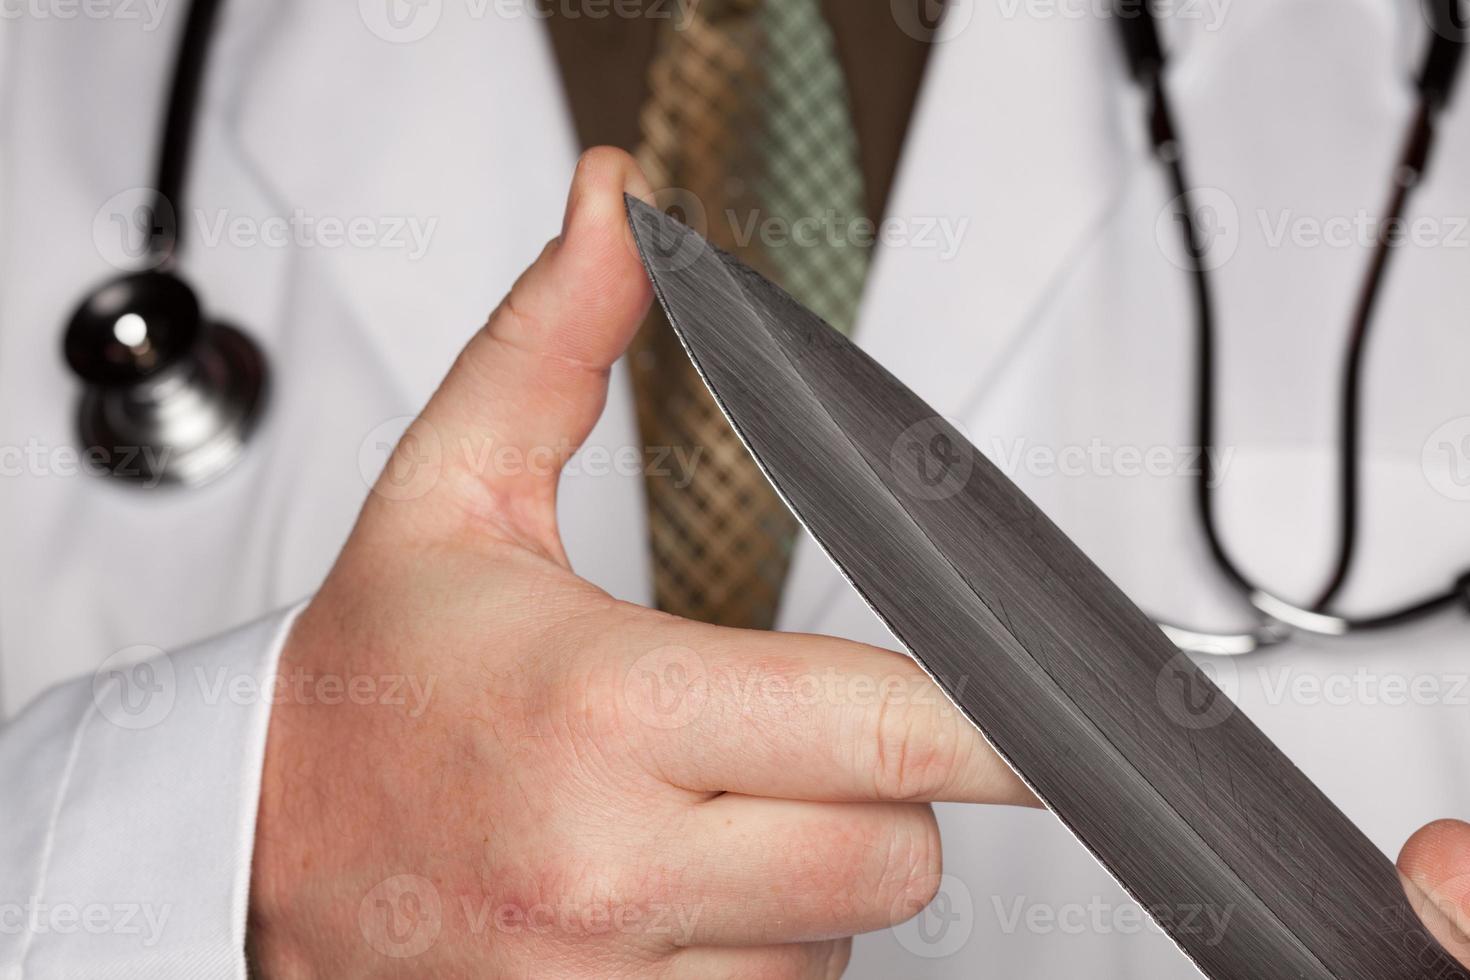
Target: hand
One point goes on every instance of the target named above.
(582, 787)
(1435, 868)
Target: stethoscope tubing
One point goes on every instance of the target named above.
(1280, 619)
(180, 118)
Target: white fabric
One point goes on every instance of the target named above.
(1056, 321)
(127, 845)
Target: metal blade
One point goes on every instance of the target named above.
(1184, 801)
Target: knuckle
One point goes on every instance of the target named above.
(574, 717)
(578, 894)
(585, 710)
(912, 863)
(840, 957)
(913, 752)
(621, 697)
(834, 959)
(581, 676)
(806, 961)
(863, 874)
(781, 967)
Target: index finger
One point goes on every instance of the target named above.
(812, 718)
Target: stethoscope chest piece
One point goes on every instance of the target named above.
(170, 397)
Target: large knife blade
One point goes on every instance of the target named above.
(1184, 801)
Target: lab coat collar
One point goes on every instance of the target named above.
(417, 179)
(455, 180)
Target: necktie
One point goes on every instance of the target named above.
(747, 132)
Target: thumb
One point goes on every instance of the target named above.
(488, 449)
(1435, 867)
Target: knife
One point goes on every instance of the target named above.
(1181, 798)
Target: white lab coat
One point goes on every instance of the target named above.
(1053, 322)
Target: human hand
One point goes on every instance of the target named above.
(589, 788)
(1435, 867)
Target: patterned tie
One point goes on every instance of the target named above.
(748, 133)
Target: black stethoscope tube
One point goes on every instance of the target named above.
(1145, 55)
(178, 127)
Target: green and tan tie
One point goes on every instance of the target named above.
(748, 132)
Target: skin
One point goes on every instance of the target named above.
(581, 787)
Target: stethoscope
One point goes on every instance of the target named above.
(1278, 619)
(170, 396)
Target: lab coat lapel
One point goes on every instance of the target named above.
(1015, 156)
(438, 132)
